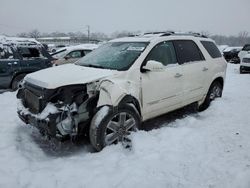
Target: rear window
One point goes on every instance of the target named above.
(187, 51)
(211, 48)
(246, 47)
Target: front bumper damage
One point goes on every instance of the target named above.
(58, 120)
(60, 123)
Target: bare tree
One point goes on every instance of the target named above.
(22, 35)
(243, 36)
(34, 34)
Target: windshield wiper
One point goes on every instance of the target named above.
(94, 66)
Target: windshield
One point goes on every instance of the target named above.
(114, 55)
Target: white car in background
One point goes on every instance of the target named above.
(222, 48)
(245, 64)
(245, 50)
(72, 53)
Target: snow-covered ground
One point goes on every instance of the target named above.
(209, 149)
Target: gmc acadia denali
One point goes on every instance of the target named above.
(111, 91)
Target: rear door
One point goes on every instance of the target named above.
(32, 59)
(9, 65)
(195, 70)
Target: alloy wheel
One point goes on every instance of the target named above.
(119, 128)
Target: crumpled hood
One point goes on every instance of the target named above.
(69, 74)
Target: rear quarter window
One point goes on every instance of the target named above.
(211, 48)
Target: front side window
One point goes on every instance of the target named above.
(163, 53)
(86, 52)
(114, 55)
(187, 51)
(75, 54)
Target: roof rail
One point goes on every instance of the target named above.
(172, 33)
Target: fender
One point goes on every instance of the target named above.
(111, 92)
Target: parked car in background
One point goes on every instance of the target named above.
(19, 57)
(222, 48)
(72, 53)
(231, 54)
(245, 64)
(109, 92)
(245, 50)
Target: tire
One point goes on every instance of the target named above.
(110, 126)
(241, 70)
(16, 81)
(215, 91)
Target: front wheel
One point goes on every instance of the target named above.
(110, 126)
(215, 91)
(16, 81)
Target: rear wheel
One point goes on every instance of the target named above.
(16, 81)
(215, 91)
(111, 126)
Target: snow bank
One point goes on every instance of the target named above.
(209, 149)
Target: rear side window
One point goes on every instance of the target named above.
(6, 52)
(29, 52)
(187, 51)
(211, 49)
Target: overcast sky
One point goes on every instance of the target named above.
(227, 17)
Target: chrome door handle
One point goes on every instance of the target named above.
(15, 63)
(178, 75)
(9, 64)
(205, 69)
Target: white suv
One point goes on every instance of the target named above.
(245, 64)
(109, 92)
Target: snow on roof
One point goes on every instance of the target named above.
(54, 38)
(133, 39)
(80, 47)
(228, 49)
(18, 41)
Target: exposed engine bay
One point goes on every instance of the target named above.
(62, 112)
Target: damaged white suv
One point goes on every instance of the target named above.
(111, 91)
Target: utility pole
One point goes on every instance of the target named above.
(88, 29)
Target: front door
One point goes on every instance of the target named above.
(162, 91)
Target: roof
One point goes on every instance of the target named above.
(18, 41)
(147, 37)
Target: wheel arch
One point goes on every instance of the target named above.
(17, 74)
(220, 80)
(130, 99)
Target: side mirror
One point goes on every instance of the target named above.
(66, 57)
(154, 66)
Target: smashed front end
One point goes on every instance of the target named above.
(62, 112)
